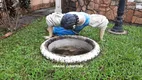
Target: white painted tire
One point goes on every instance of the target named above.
(70, 59)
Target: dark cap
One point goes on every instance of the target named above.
(69, 20)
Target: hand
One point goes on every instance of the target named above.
(104, 40)
(47, 37)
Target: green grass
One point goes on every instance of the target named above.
(120, 58)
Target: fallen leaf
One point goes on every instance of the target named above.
(8, 34)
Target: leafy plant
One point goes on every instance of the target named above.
(10, 13)
(24, 3)
(9, 16)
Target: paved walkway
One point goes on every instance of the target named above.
(27, 19)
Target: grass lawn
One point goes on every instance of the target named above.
(120, 58)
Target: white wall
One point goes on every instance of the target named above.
(131, 0)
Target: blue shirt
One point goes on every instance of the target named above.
(86, 23)
(60, 31)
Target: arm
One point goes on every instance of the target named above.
(50, 30)
(53, 19)
(102, 31)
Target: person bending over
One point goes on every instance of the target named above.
(72, 23)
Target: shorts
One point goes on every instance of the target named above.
(99, 21)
